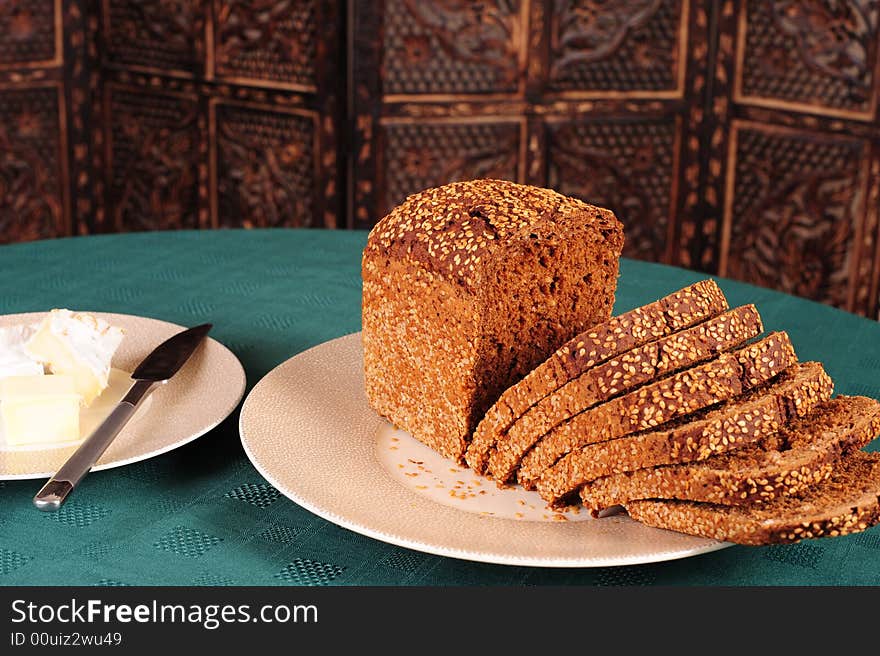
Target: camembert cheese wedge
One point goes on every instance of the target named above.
(39, 410)
(14, 361)
(77, 345)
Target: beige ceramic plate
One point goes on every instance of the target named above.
(308, 429)
(199, 397)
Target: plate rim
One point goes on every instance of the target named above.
(431, 548)
(156, 452)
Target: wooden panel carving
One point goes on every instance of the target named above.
(628, 166)
(31, 162)
(738, 136)
(794, 203)
(867, 293)
(265, 167)
(422, 154)
(267, 41)
(817, 55)
(165, 35)
(452, 47)
(30, 32)
(619, 47)
(153, 158)
(80, 99)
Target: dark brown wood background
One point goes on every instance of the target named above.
(735, 137)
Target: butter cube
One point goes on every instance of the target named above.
(78, 345)
(39, 410)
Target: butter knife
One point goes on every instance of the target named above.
(156, 369)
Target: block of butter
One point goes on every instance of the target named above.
(39, 409)
(78, 345)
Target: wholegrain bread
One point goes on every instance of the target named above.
(654, 404)
(799, 456)
(680, 310)
(622, 373)
(469, 286)
(848, 502)
(737, 422)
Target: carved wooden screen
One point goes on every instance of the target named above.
(796, 149)
(737, 137)
(217, 113)
(731, 137)
(152, 114)
(37, 132)
(598, 100)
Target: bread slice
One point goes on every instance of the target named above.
(654, 404)
(682, 309)
(737, 422)
(636, 367)
(848, 502)
(797, 457)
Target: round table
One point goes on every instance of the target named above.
(202, 515)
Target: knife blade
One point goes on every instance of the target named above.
(157, 368)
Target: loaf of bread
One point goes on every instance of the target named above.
(487, 335)
(469, 286)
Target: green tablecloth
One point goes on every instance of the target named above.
(202, 515)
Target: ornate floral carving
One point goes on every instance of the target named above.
(794, 212)
(421, 155)
(452, 46)
(30, 187)
(163, 34)
(266, 169)
(831, 36)
(27, 31)
(617, 45)
(819, 52)
(626, 166)
(266, 40)
(154, 182)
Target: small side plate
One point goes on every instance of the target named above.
(197, 399)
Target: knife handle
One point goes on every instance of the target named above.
(58, 488)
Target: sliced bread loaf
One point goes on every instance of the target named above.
(652, 405)
(848, 502)
(800, 455)
(622, 373)
(752, 416)
(684, 308)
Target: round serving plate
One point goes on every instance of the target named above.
(308, 429)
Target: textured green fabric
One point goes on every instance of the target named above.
(203, 515)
